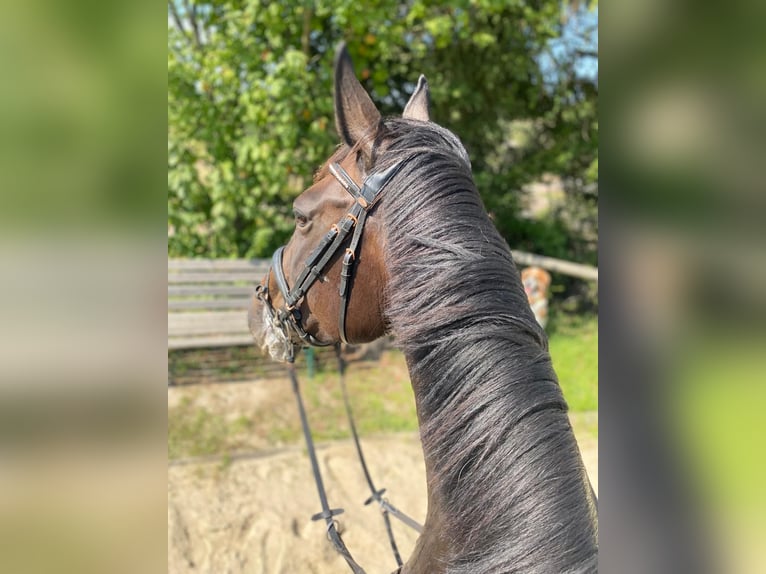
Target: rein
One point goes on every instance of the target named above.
(328, 514)
(286, 321)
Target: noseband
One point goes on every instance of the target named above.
(288, 317)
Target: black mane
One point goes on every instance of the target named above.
(493, 418)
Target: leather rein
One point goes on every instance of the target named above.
(328, 514)
(288, 319)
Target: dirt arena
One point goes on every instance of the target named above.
(253, 515)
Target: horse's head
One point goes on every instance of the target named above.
(328, 283)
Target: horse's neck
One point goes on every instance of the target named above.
(433, 544)
(446, 528)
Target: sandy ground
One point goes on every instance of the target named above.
(253, 515)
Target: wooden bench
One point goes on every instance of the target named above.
(208, 300)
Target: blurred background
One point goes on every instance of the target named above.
(682, 366)
(86, 227)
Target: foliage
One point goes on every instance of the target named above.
(250, 107)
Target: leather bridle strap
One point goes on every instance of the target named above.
(289, 317)
(366, 197)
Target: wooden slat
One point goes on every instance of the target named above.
(557, 265)
(207, 331)
(212, 329)
(197, 304)
(251, 278)
(195, 286)
(207, 326)
(202, 342)
(219, 264)
(206, 317)
(200, 290)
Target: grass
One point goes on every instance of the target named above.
(714, 402)
(381, 397)
(216, 365)
(717, 407)
(196, 431)
(573, 344)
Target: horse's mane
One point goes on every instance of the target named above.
(493, 418)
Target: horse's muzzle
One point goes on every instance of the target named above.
(270, 334)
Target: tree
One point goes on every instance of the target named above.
(250, 107)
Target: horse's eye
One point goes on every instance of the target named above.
(300, 219)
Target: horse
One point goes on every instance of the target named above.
(393, 238)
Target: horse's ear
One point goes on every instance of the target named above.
(417, 107)
(355, 114)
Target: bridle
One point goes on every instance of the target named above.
(287, 319)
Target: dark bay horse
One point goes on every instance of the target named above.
(507, 488)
